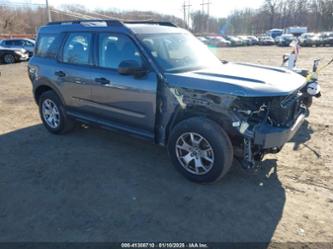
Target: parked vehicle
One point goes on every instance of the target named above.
(217, 41)
(234, 41)
(327, 39)
(26, 44)
(274, 33)
(203, 39)
(285, 40)
(297, 31)
(309, 40)
(223, 42)
(253, 40)
(157, 81)
(12, 55)
(245, 40)
(266, 41)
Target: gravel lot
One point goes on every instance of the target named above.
(94, 185)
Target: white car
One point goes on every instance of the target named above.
(22, 43)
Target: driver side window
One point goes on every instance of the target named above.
(115, 48)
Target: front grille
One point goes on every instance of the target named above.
(284, 110)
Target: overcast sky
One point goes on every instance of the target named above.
(219, 8)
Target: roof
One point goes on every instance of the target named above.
(138, 27)
(152, 28)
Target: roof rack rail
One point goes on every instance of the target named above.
(170, 24)
(109, 22)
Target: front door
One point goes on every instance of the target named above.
(127, 100)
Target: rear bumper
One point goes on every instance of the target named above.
(269, 137)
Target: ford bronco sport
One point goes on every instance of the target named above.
(158, 82)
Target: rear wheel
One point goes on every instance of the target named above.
(200, 149)
(53, 115)
(9, 59)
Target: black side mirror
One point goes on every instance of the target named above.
(131, 67)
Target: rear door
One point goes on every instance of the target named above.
(74, 70)
(127, 100)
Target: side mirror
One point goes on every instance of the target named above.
(131, 67)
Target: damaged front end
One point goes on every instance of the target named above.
(260, 109)
(267, 123)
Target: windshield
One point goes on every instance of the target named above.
(179, 52)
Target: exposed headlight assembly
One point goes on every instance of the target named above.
(313, 89)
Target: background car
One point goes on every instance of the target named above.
(203, 39)
(285, 40)
(254, 40)
(24, 43)
(218, 41)
(12, 55)
(327, 39)
(223, 41)
(308, 39)
(234, 41)
(266, 41)
(245, 40)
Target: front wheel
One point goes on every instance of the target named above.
(9, 59)
(200, 149)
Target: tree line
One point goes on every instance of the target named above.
(27, 19)
(317, 15)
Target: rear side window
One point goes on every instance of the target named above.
(8, 43)
(17, 43)
(77, 49)
(48, 45)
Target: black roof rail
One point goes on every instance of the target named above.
(109, 22)
(170, 24)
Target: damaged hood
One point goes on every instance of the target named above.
(240, 79)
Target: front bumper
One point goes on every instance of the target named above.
(268, 137)
(23, 57)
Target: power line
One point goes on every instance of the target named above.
(49, 10)
(96, 13)
(208, 3)
(20, 3)
(71, 14)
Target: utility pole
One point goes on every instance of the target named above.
(208, 4)
(189, 13)
(203, 4)
(48, 11)
(186, 7)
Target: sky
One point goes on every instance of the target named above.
(218, 8)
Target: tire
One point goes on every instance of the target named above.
(213, 136)
(50, 101)
(9, 59)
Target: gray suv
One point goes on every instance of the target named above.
(156, 81)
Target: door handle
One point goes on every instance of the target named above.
(60, 74)
(102, 80)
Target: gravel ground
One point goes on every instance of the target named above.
(94, 185)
